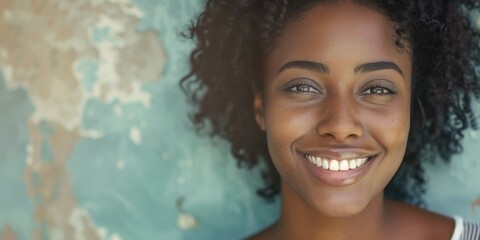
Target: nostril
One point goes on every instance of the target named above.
(340, 129)
(339, 119)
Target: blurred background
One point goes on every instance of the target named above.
(95, 142)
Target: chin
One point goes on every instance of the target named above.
(341, 205)
(335, 210)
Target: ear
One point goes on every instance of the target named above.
(259, 111)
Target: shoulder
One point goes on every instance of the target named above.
(421, 223)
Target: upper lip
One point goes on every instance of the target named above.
(339, 153)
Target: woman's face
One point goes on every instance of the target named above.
(336, 107)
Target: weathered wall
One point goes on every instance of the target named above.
(94, 138)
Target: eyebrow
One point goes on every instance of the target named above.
(309, 65)
(377, 66)
(362, 68)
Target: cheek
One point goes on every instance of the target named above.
(390, 129)
(401, 128)
(284, 126)
(390, 132)
(279, 126)
(286, 122)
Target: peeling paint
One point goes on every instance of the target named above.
(120, 164)
(135, 136)
(8, 234)
(43, 52)
(473, 134)
(115, 237)
(53, 85)
(91, 134)
(475, 204)
(118, 110)
(48, 183)
(127, 7)
(81, 222)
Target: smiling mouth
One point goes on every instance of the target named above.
(337, 165)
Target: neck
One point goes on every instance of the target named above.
(299, 220)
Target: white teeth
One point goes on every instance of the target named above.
(358, 162)
(344, 165)
(325, 164)
(352, 164)
(335, 165)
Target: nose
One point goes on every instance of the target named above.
(340, 120)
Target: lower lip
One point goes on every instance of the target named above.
(338, 178)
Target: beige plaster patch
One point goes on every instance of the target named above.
(7, 234)
(475, 204)
(42, 43)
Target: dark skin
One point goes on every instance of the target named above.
(337, 89)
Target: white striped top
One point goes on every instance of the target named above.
(465, 230)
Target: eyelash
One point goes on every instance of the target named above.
(295, 88)
(387, 91)
(309, 89)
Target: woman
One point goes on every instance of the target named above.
(338, 98)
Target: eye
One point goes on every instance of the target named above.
(378, 90)
(301, 88)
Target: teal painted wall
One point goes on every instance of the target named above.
(95, 142)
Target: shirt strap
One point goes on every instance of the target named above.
(457, 232)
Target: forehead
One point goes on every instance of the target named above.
(343, 31)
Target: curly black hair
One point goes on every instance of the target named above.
(233, 36)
